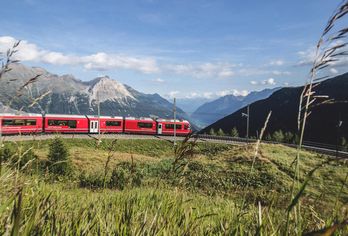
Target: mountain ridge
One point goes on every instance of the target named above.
(321, 125)
(67, 95)
(214, 110)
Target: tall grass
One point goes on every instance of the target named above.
(31, 204)
(329, 49)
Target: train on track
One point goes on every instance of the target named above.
(86, 124)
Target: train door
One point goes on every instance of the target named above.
(159, 128)
(93, 126)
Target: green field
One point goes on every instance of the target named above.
(141, 187)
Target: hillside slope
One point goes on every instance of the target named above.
(212, 111)
(321, 125)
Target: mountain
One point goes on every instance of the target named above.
(68, 95)
(212, 111)
(284, 103)
(189, 105)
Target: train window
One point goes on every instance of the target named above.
(145, 125)
(7, 122)
(113, 123)
(70, 123)
(186, 127)
(18, 122)
(30, 122)
(171, 126)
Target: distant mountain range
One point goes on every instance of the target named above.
(189, 105)
(212, 111)
(284, 103)
(67, 95)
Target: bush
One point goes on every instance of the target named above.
(288, 137)
(6, 153)
(58, 158)
(234, 132)
(122, 176)
(125, 174)
(220, 132)
(212, 131)
(278, 136)
(92, 181)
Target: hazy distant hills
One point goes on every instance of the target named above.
(322, 123)
(67, 95)
(212, 111)
(190, 105)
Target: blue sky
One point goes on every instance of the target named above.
(200, 48)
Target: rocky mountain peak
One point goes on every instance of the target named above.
(106, 88)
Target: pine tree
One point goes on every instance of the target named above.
(234, 132)
(58, 157)
(220, 132)
(268, 137)
(212, 131)
(288, 137)
(278, 136)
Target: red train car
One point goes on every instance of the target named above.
(65, 124)
(20, 124)
(166, 127)
(140, 126)
(108, 124)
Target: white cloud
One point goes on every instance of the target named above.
(203, 70)
(233, 92)
(286, 84)
(334, 71)
(99, 61)
(280, 73)
(158, 80)
(277, 63)
(208, 95)
(172, 94)
(193, 95)
(269, 81)
(212, 95)
(307, 57)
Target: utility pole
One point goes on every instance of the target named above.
(0, 133)
(174, 110)
(247, 115)
(339, 124)
(98, 101)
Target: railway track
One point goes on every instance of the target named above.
(320, 148)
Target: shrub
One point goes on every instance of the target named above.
(220, 132)
(288, 137)
(278, 136)
(234, 132)
(212, 131)
(268, 137)
(6, 153)
(58, 158)
(92, 181)
(118, 179)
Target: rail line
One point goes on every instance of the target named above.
(327, 149)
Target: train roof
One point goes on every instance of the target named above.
(107, 117)
(171, 120)
(64, 116)
(24, 114)
(140, 118)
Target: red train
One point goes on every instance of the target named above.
(50, 123)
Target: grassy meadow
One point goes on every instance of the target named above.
(142, 187)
